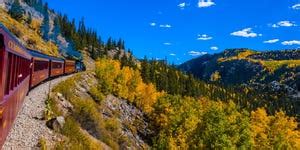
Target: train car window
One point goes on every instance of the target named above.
(8, 74)
(1, 41)
(40, 65)
(56, 65)
(12, 73)
(17, 71)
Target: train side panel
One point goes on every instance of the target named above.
(14, 80)
(70, 66)
(40, 71)
(56, 68)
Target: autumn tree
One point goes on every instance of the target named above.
(274, 132)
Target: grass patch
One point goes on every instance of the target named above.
(87, 116)
(42, 144)
(96, 94)
(77, 139)
(52, 109)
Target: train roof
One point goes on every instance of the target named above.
(35, 53)
(15, 40)
(32, 52)
(9, 33)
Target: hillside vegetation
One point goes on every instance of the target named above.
(178, 122)
(272, 76)
(243, 66)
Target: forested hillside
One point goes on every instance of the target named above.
(273, 75)
(247, 66)
(177, 121)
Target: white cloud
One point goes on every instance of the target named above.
(165, 26)
(196, 53)
(271, 41)
(167, 43)
(172, 54)
(214, 48)
(296, 6)
(246, 33)
(293, 42)
(284, 24)
(182, 5)
(204, 37)
(205, 3)
(153, 24)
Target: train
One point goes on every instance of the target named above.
(22, 69)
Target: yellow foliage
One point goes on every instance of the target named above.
(126, 83)
(260, 127)
(147, 96)
(35, 25)
(274, 132)
(240, 56)
(215, 76)
(271, 65)
(30, 36)
(284, 132)
(276, 64)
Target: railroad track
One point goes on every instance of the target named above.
(29, 127)
(21, 70)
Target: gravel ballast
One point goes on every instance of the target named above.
(29, 127)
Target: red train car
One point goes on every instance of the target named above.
(70, 66)
(40, 68)
(56, 67)
(15, 64)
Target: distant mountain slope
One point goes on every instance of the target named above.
(278, 69)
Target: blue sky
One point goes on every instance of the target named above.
(184, 29)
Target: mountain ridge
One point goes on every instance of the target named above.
(204, 66)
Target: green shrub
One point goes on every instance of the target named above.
(42, 144)
(96, 94)
(78, 140)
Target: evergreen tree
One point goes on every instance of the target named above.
(123, 45)
(45, 27)
(29, 19)
(109, 44)
(82, 34)
(119, 45)
(124, 60)
(145, 71)
(118, 54)
(37, 4)
(131, 61)
(56, 30)
(16, 11)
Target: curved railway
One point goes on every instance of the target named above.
(21, 69)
